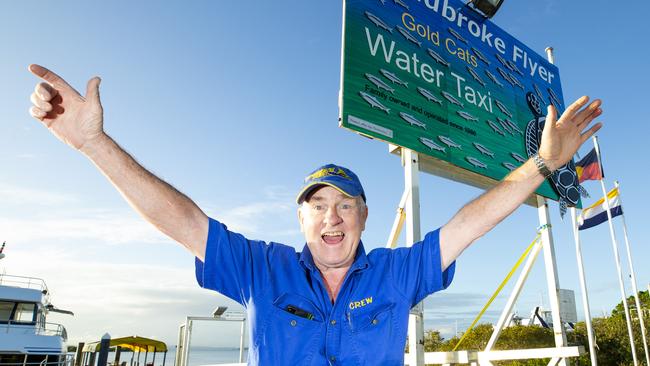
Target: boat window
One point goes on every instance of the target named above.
(25, 313)
(9, 359)
(6, 307)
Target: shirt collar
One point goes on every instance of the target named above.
(360, 261)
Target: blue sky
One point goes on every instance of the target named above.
(233, 103)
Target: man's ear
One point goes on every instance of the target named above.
(364, 217)
(300, 218)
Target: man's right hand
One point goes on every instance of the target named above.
(78, 121)
(73, 118)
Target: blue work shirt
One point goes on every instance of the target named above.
(290, 316)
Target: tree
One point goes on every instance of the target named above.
(613, 344)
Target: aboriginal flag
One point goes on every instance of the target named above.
(589, 167)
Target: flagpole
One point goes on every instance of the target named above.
(639, 309)
(583, 289)
(617, 259)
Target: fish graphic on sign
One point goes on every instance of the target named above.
(374, 103)
(457, 35)
(408, 36)
(451, 99)
(449, 142)
(475, 76)
(402, 4)
(429, 95)
(484, 150)
(481, 56)
(412, 120)
(477, 163)
(431, 145)
(502, 107)
(439, 59)
(379, 83)
(392, 77)
(495, 128)
(378, 22)
(466, 116)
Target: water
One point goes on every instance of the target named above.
(210, 355)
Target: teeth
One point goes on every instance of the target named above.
(334, 233)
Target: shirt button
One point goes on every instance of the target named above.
(333, 322)
(293, 323)
(375, 322)
(332, 358)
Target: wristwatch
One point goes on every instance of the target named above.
(541, 166)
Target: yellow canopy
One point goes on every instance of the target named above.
(133, 343)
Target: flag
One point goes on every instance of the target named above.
(597, 213)
(589, 167)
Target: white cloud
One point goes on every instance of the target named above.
(15, 195)
(271, 218)
(105, 227)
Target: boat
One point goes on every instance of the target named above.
(91, 353)
(26, 338)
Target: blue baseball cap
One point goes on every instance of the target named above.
(337, 177)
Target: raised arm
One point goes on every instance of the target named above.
(560, 141)
(78, 121)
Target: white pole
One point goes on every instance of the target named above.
(412, 183)
(180, 346)
(617, 259)
(241, 340)
(188, 340)
(552, 279)
(583, 289)
(639, 309)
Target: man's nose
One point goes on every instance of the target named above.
(332, 216)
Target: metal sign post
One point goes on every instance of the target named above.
(412, 184)
(552, 280)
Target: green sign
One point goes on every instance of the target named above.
(435, 77)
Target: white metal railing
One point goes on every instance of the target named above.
(49, 360)
(23, 282)
(63, 362)
(53, 329)
(50, 329)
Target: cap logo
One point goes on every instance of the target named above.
(326, 172)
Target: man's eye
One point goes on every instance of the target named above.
(318, 207)
(345, 206)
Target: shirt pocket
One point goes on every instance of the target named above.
(360, 321)
(373, 333)
(293, 338)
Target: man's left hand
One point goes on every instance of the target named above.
(562, 138)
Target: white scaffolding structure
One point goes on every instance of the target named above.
(409, 212)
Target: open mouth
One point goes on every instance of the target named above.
(333, 237)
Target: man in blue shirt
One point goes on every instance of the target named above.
(332, 303)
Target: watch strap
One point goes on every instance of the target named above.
(541, 166)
